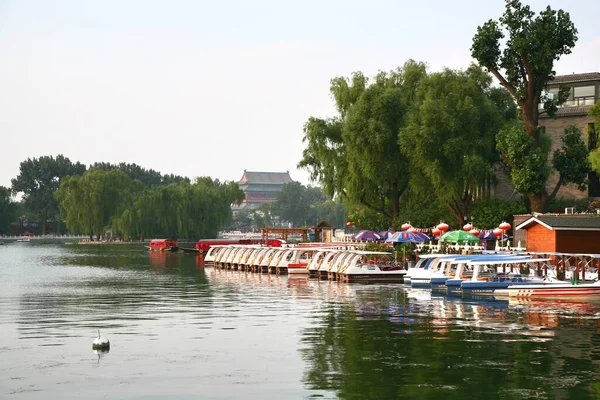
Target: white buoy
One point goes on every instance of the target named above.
(100, 343)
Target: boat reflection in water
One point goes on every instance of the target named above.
(395, 342)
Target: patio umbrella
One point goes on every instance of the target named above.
(367, 236)
(406, 236)
(460, 237)
(385, 234)
(489, 235)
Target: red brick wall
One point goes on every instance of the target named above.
(540, 238)
(578, 241)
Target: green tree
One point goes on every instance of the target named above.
(297, 203)
(8, 210)
(39, 179)
(489, 213)
(450, 135)
(88, 203)
(528, 162)
(524, 67)
(195, 210)
(355, 155)
(594, 133)
(148, 177)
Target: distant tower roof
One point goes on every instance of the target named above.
(272, 178)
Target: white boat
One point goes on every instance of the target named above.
(370, 266)
(25, 239)
(487, 279)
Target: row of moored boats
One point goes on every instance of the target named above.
(508, 274)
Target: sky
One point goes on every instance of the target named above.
(210, 88)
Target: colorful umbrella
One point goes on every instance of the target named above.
(385, 234)
(367, 236)
(460, 237)
(489, 235)
(406, 236)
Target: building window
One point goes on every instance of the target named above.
(582, 96)
(584, 91)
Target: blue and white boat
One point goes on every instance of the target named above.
(432, 266)
(456, 271)
(487, 278)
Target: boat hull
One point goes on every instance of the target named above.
(554, 290)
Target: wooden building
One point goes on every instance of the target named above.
(562, 233)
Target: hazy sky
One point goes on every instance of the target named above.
(201, 88)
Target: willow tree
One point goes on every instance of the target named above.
(180, 209)
(355, 155)
(88, 203)
(531, 44)
(449, 137)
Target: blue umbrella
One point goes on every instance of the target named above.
(406, 236)
(367, 235)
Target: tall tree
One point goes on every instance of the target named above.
(525, 66)
(593, 136)
(89, 202)
(148, 177)
(529, 162)
(196, 210)
(8, 210)
(39, 179)
(355, 155)
(450, 137)
(297, 203)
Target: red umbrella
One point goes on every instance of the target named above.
(27, 233)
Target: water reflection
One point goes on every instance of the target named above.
(385, 342)
(240, 335)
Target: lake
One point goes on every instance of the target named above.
(181, 331)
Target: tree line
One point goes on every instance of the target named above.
(125, 199)
(129, 201)
(420, 146)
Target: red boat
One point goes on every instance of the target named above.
(163, 245)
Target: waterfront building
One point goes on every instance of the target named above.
(260, 188)
(564, 233)
(584, 93)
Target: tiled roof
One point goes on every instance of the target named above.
(570, 111)
(272, 178)
(564, 222)
(588, 76)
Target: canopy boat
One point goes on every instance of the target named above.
(163, 245)
(494, 281)
(370, 266)
(454, 270)
(432, 266)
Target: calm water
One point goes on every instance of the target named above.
(180, 331)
